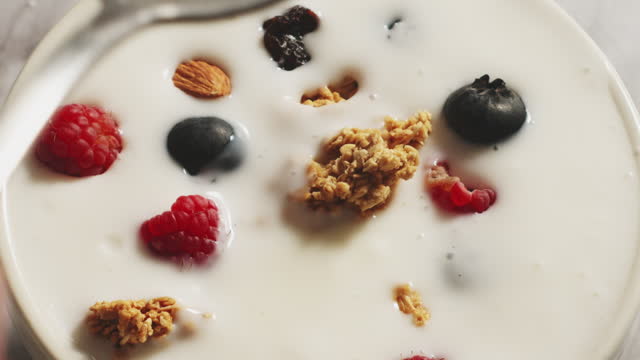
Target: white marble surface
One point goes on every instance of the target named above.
(613, 24)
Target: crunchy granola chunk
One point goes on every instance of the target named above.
(438, 177)
(323, 97)
(130, 322)
(410, 302)
(331, 94)
(360, 167)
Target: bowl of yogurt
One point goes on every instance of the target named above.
(549, 270)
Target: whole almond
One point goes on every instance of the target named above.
(201, 79)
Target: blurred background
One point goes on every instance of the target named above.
(613, 24)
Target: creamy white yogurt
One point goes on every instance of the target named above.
(538, 276)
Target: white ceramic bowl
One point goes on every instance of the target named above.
(44, 343)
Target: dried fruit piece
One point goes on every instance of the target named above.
(201, 79)
(358, 168)
(485, 111)
(451, 194)
(331, 94)
(283, 37)
(129, 322)
(187, 233)
(287, 50)
(80, 140)
(410, 302)
(298, 21)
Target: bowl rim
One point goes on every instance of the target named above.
(43, 344)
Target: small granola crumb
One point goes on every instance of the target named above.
(130, 322)
(207, 315)
(410, 302)
(438, 177)
(324, 96)
(360, 167)
(331, 94)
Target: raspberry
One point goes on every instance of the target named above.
(459, 194)
(80, 140)
(452, 195)
(186, 233)
(420, 357)
(481, 200)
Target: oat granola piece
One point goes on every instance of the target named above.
(410, 302)
(324, 96)
(331, 94)
(131, 322)
(438, 177)
(359, 168)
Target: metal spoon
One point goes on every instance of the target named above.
(30, 106)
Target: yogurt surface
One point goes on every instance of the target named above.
(540, 275)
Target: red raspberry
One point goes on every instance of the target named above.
(452, 195)
(188, 232)
(481, 200)
(420, 357)
(459, 194)
(80, 140)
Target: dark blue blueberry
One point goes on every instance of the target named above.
(202, 142)
(485, 111)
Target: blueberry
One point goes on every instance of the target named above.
(283, 37)
(196, 143)
(485, 111)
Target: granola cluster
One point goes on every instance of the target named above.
(323, 97)
(438, 177)
(331, 94)
(360, 167)
(129, 322)
(410, 302)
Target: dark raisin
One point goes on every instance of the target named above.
(485, 111)
(297, 21)
(275, 25)
(283, 36)
(196, 143)
(302, 20)
(287, 50)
